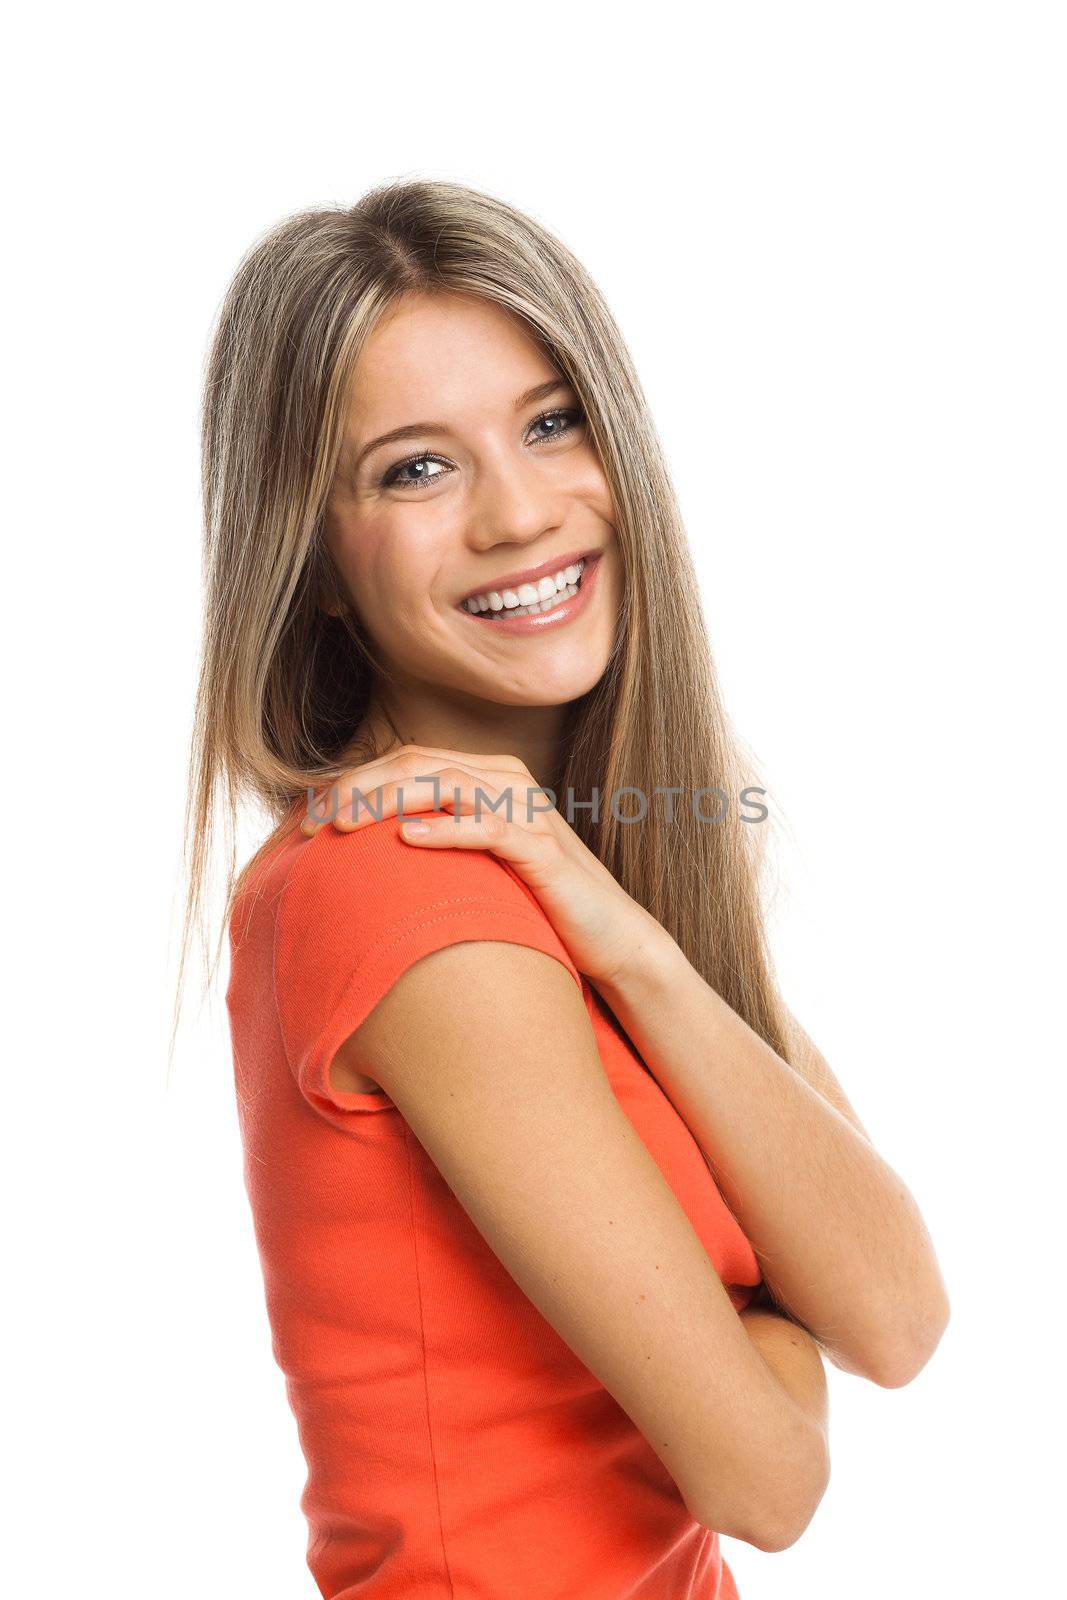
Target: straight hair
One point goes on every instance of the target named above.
(283, 685)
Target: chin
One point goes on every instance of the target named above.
(538, 690)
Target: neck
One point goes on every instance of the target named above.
(481, 728)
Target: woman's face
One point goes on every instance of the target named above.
(489, 480)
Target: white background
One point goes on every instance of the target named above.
(833, 236)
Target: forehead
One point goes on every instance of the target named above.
(432, 353)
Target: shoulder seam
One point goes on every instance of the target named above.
(532, 911)
(399, 928)
(456, 900)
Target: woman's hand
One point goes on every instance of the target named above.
(602, 926)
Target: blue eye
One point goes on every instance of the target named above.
(553, 416)
(392, 477)
(558, 420)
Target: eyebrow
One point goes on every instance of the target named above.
(414, 430)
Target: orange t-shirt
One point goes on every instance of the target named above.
(455, 1445)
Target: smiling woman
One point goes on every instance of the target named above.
(557, 1206)
(498, 507)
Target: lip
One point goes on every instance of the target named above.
(543, 621)
(547, 569)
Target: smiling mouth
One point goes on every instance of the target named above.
(528, 599)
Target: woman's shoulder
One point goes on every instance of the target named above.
(359, 907)
(373, 871)
(351, 912)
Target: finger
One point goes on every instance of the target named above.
(411, 764)
(393, 765)
(502, 761)
(367, 787)
(450, 789)
(320, 809)
(524, 848)
(414, 758)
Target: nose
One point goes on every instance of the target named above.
(513, 502)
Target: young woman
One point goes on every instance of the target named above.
(558, 1207)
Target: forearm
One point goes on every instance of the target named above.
(797, 1365)
(840, 1240)
(768, 1476)
(794, 1358)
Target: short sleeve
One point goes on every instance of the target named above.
(357, 909)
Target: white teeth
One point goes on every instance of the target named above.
(544, 605)
(528, 597)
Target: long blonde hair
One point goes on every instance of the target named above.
(283, 685)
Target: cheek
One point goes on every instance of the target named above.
(389, 583)
(591, 486)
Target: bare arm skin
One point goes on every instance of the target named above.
(487, 1051)
(796, 1361)
(840, 1240)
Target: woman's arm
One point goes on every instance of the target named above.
(840, 1240)
(793, 1356)
(521, 1122)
